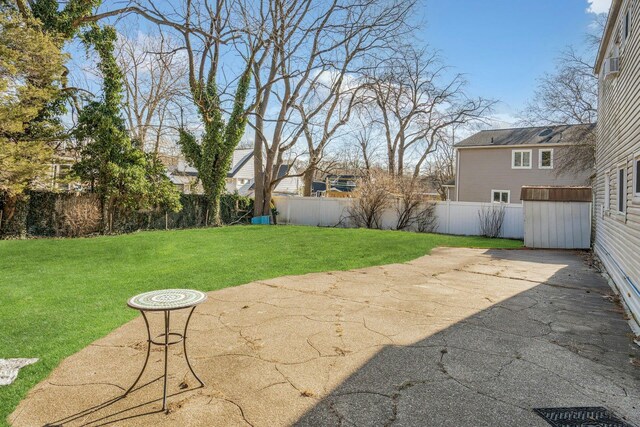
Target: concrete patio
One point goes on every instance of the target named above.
(462, 337)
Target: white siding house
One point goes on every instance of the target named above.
(240, 177)
(617, 186)
(241, 170)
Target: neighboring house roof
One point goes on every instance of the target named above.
(185, 170)
(343, 182)
(450, 183)
(240, 158)
(284, 169)
(178, 179)
(318, 186)
(551, 135)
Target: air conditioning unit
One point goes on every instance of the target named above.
(611, 67)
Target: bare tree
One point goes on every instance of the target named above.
(416, 104)
(305, 78)
(569, 95)
(441, 166)
(366, 146)
(209, 30)
(155, 81)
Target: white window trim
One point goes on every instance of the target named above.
(636, 177)
(607, 191)
(513, 159)
(626, 25)
(621, 186)
(501, 191)
(540, 151)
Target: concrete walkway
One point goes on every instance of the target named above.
(459, 338)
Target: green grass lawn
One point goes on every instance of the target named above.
(59, 295)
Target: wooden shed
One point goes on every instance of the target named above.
(557, 217)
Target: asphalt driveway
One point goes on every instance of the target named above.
(462, 337)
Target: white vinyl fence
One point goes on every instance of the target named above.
(459, 218)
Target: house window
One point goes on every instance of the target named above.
(545, 160)
(636, 176)
(627, 24)
(521, 159)
(607, 192)
(500, 196)
(622, 186)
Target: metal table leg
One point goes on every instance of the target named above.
(167, 320)
(184, 347)
(166, 343)
(146, 359)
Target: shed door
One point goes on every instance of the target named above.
(562, 225)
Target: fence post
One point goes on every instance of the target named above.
(288, 211)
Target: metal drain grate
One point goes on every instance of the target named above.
(580, 417)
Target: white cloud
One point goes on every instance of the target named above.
(598, 6)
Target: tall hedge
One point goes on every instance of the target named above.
(49, 214)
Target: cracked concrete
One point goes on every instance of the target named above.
(462, 337)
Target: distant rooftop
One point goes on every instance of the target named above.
(564, 134)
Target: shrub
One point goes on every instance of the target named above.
(44, 213)
(372, 197)
(426, 220)
(79, 215)
(491, 219)
(412, 208)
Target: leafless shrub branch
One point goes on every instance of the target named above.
(491, 220)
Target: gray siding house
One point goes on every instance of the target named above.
(617, 186)
(493, 165)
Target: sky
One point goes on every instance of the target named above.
(503, 46)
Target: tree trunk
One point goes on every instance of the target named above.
(391, 165)
(262, 200)
(308, 180)
(258, 192)
(104, 208)
(258, 166)
(215, 219)
(213, 195)
(400, 167)
(267, 206)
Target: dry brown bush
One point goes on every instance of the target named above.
(379, 192)
(79, 215)
(372, 197)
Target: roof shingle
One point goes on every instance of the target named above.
(564, 134)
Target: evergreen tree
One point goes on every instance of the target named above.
(124, 177)
(31, 74)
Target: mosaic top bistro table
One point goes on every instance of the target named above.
(166, 300)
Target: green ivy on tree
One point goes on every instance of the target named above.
(124, 177)
(213, 154)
